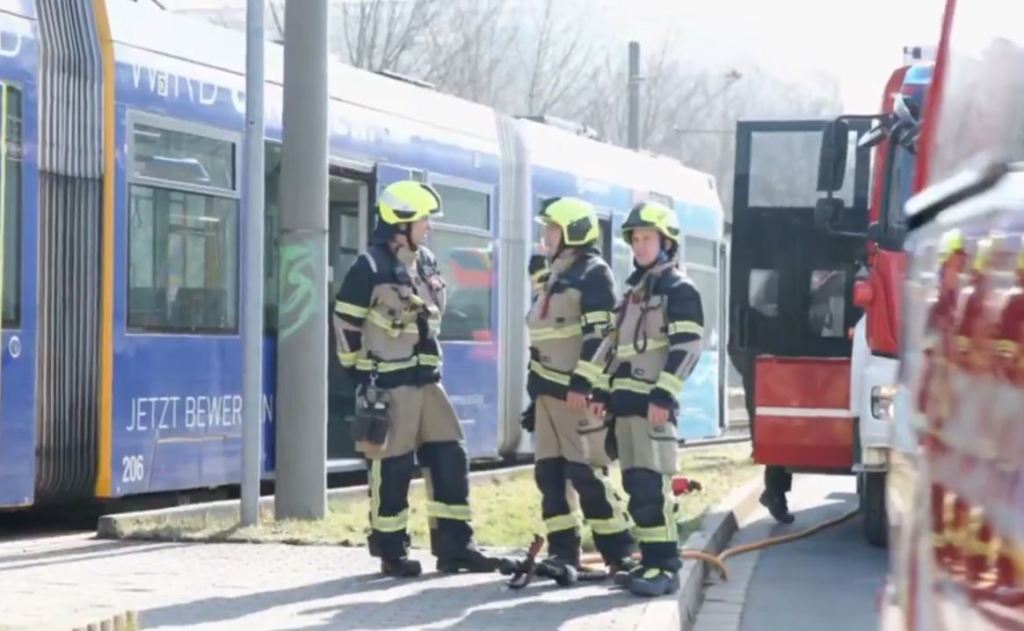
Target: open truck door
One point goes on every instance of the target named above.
(798, 242)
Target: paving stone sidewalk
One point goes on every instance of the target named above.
(73, 579)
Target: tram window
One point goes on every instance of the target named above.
(827, 314)
(763, 292)
(462, 207)
(466, 262)
(183, 243)
(183, 249)
(622, 264)
(665, 200)
(10, 181)
(462, 243)
(701, 257)
(604, 240)
(707, 284)
(784, 169)
(700, 251)
(178, 156)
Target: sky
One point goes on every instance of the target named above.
(859, 41)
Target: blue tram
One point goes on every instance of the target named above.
(122, 222)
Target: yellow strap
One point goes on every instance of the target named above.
(348, 360)
(389, 326)
(349, 309)
(369, 365)
(561, 522)
(685, 326)
(429, 360)
(669, 382)
(555, 333)
(628, 350)
(549, 374)
(589, 371)
(596, 317)
(440, 510)
(652, 534)
(392, 523)
(631, 385)
(609, 526)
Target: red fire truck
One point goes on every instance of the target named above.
(958, 562)
(816, 271)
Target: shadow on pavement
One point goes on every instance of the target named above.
(81, 553)
(227, 608)
(489, 606)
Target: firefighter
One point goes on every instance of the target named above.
(386, 317)
(777, 479)
(574, 294)
(656, 343)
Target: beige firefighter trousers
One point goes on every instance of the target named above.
(643, 446)
(416, 415)
(561, 432)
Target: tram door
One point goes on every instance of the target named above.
(349, 224)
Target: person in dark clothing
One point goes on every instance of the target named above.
(777, 480)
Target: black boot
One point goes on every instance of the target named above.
(777, 506)
(402, 567)
(654, 581)
(469, 559)
(623, 571)
(564, 571)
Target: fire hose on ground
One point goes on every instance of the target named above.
(718, 562)
(681, 486)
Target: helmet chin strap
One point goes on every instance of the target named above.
(669, 250)
(408, 237)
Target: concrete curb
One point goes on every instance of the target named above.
(122, 621)
(717, 529)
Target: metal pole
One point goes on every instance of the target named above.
(634, 95)
(301, 471)
(252, 329)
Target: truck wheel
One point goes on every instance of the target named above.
(872, 506)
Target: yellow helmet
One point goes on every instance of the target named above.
(407, 201)
(951, 241)
(576, 218)
(652, 215)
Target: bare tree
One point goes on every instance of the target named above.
(669, 93)
(383, 34)
(557, 57)
(541, 57)
(468, 57)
